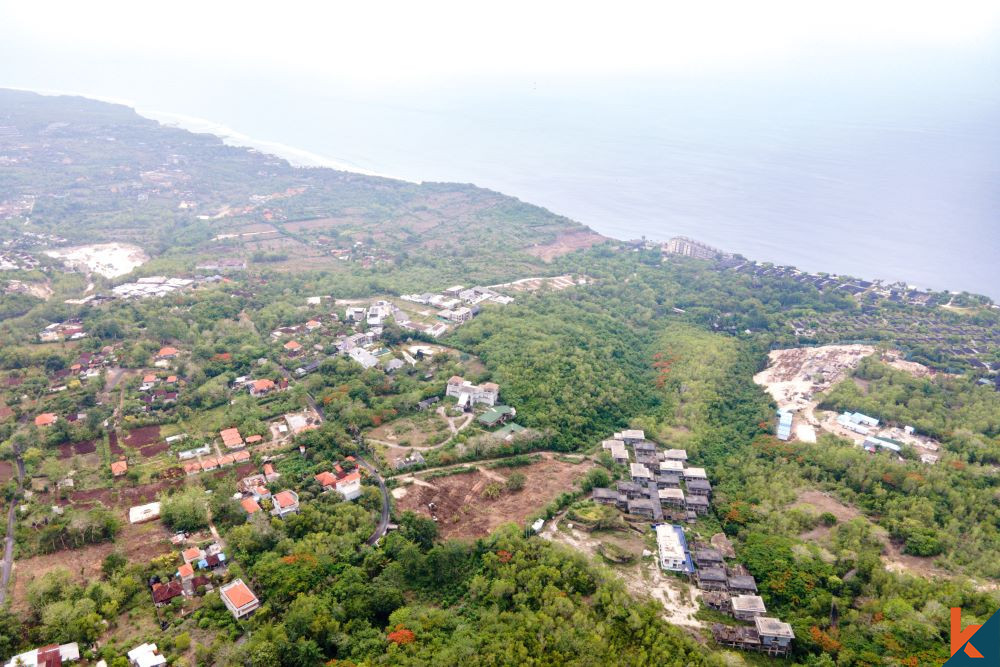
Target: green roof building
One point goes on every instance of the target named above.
(498, 414)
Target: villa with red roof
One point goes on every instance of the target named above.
(238, 598)
(119, 468)
(293, 348)
(46, 419)
(167, 353)
(285, 503)
(260, 388)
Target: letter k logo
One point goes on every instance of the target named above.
(960, 636)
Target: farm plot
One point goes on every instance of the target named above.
(462, 511)
(140, 437)
(70, 449)
(122, 497)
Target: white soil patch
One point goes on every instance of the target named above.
(644, 579)
(107, 259)
(794, 376)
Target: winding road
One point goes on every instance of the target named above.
(8, 554)
(382, 527)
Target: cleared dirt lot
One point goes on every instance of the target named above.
(461, 509)
(139, 543)
(565, 244)
(795, 375)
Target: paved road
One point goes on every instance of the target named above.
(8, 554)
(383, 524)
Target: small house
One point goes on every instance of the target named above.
(775, 636)
(697, 504)
(699, 487)
(641, 507)
(285, 503)
(239, 599)
(604, 496)
(712, 579)
(743, 584)
(748, 607)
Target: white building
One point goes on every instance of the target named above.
(672, 548)
(617, 449)
(141, 513)
(146, 655)
(363, 357)
(350, 485)
(46, 656)
(469, 394)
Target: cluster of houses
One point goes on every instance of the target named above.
(191, 575)
(886, 439)
(209, 463)
(458, 304)
(345, 480)
(356, 346)
(868, 290)
(661, 484)
(729, 588)
(158, 392)
(59, 331)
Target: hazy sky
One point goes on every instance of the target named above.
(383, 44)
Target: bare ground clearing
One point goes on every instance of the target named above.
(463, 512)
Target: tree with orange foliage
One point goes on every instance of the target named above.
(401, 636)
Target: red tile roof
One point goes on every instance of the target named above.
(292, 345)
(45, 419)
(326, 478)
(185, 570)
(285, 499)
(231, 437)
(250, 505)
(119, 468)
(168, 352)
(238, 594)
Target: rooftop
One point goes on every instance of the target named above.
(772, 627)
(748, 603)
(238, 594)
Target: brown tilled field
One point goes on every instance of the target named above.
(462, 511)
(122, 497)
(70, 449)
(140, 437)
(139, 543)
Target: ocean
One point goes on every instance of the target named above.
(893, 177)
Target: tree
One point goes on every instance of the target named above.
(185, 510)
(515, 482)
(418, 529)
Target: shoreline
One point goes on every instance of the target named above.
(301, 158)
(297, 157)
